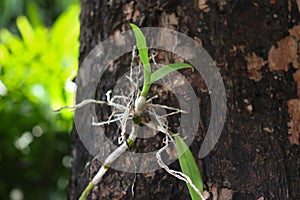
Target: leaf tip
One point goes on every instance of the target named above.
(133, 26)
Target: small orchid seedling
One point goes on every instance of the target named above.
(132, 107)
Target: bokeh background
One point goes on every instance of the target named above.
(39, 50)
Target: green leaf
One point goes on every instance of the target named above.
(189, 167)
(167, 69)
(32, 11)
(143, 50)
(25, 29)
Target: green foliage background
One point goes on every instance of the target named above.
(39, 50)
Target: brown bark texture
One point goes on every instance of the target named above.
(255, 45)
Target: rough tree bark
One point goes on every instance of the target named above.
(255, 45)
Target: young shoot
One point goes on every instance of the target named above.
(149, 78)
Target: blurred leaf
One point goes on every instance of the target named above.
(9, 9)
(42, 56)
(35, 64)
(189, 166)
(33, 14)
(25, 29)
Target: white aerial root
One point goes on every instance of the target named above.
(80, 105)
(169, 108)
(105, 122)
(109, 102)
(122, 118)
(123, 122)
(177, 174)
(151, 98)
(113, 156)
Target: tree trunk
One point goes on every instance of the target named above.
(255, 45)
